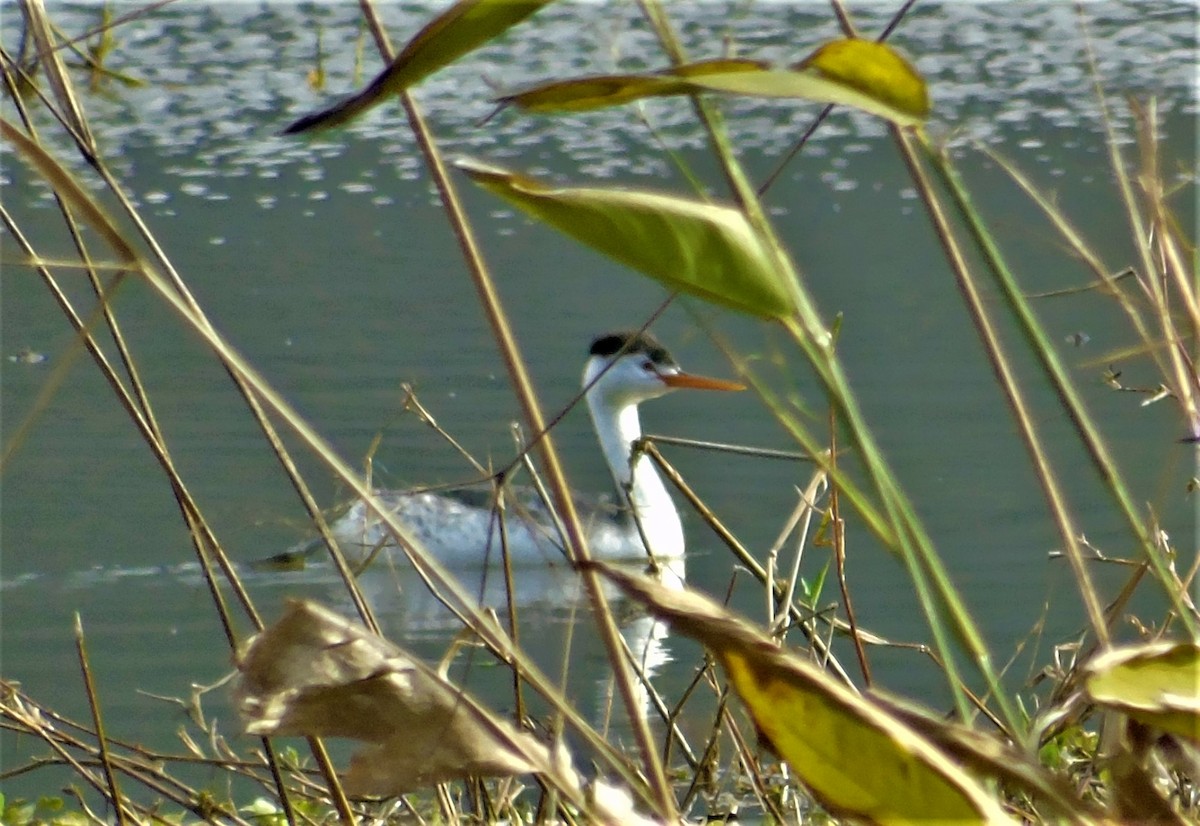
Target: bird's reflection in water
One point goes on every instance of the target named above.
(552, 612)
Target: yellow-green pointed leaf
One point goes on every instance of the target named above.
(855, 757)
(462, 28)
(874, 70)
(1157, 684)
(599, 91)
(594, 92)
(862, 74)
(717, 66)
(785, 83)
(986, 755)
(872, 77)
(701, 249)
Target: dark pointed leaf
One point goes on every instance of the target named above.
(462, 28)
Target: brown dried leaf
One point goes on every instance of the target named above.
(315, 673)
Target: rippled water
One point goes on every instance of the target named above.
(328, 263)
(222, 78)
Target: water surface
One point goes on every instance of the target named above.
(328, 263)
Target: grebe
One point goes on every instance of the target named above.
(460, 528)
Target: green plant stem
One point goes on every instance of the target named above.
(929, 576)
(1055, 498)
(1064, 388)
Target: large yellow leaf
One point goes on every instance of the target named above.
(857, 759)
(462, 28)
(862, 74)
(874, 70)
(985, 755)
(698, 248)
(1157, 684)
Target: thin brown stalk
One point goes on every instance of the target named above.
(255, 406)
(1006, 377)
(411, 402)
(87, 148)
(446, 804)
(750, 767)
(110, 777)
(34, 725)
(805, 508)
(1173, 273)
(203, 538)
(739, 550)
(1078, 245)
(519, 379)
(1086, 430)
(839, 555)
(83, 331)
(141, 11)
(429, 567)
(708, 756)
(805, 136)
(660, 706)
(676, 712)
(332, 783)
(510, 592)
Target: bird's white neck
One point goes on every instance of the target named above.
(618, 428)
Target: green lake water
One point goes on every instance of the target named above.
(328, 263)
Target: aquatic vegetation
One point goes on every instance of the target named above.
(1109, 729)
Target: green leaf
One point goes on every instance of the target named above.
(50, 803)
(462, 28)
(869, 76)
(812, 592)
(18, 812)
(1157, 684)
(698, 248)
(264, 812)
(855, 757)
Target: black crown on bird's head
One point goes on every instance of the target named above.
(631, 341)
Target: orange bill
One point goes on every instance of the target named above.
(699, 382)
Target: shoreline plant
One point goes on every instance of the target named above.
(1114, 738)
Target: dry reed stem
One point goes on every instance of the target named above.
(110, 777)
(750, 767)
(800, 521)
(577, 544)
(141, 412)
(27, 716)
(839, 555)
(743, 556)
(661, 795)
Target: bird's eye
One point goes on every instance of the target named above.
(648, 366)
